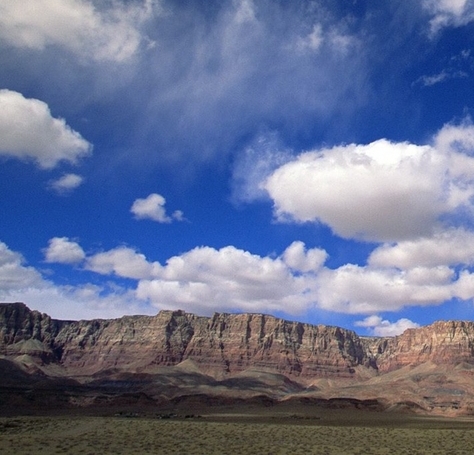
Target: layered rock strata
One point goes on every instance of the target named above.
(223, 344)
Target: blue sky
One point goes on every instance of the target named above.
(312, 160)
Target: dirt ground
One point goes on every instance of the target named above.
(236, 431)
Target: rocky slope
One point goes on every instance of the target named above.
(176, 352)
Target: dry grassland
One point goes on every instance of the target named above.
(85, 435)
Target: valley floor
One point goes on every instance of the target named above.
(242, 431)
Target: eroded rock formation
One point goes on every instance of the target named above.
(224, 344)
(227, 358)
(221, 344)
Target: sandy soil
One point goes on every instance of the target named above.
(236, 433)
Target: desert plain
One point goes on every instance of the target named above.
(299, 430)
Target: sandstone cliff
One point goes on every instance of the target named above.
(444, 342)
(175, 355)
(224, 343)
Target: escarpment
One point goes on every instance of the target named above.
(228, 357)
(221, 344)
(224, 343)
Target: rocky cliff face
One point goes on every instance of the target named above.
(443, 343)
(223, 344)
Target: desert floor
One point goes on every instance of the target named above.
(236, 432)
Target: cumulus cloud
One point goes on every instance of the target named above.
(448, 13)
(76, 25)
(22, 283)
(13, 273)
(454, 138)
(122, 261)
(66, 183)
(447, 247)
(85, 301)
(64, 251)
(205, 279)
(363, 289)
(299, 259)
(382, 191)
(153, 207)
(28, 131)
(383, 327)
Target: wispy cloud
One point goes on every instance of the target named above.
(443, 76)
(448, 13)
(66, 183)
(76, 25)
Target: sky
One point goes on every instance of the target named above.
(311, 160)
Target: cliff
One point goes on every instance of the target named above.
(224, 344)
(173, 355)
(443, 343)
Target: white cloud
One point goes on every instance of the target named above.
(63, 251)
(76, 25)
(383, 191)
(22, 283)
(28, 131)
(66, 183)
(299, 259)
(78, 302)
(229, 279)
(153, 208)
(447, 247)
(448, 13)
(356, 289)
(383, 328)
(13, 273)
(206, 280)
(122, 261)
(456, 138)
